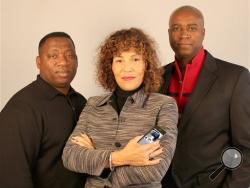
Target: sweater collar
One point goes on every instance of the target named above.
(137, 98)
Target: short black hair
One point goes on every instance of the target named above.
(53, 35)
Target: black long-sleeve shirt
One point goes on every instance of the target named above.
(34, 126)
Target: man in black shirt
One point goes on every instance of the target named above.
(36, 122)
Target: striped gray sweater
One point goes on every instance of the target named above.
(101, 122)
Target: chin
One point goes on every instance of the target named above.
(130, 88)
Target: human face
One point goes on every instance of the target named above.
(57, 62)
(186, 34)
(128, 68)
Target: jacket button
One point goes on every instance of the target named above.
(118, 144)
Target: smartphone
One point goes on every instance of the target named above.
(154, 134)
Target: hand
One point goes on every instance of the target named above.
(135, 154)
(83, 140)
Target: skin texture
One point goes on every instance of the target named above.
(57, 62)
(128, 69)
(186, 33)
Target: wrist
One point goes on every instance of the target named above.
(117, 159)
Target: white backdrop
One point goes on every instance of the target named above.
(25, 22)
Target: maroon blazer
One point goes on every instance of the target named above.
(216, 116)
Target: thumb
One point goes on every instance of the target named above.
(136, 139)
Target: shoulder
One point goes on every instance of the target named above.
(80, 96)
(20, 107)
(166, 68)
(162, 100)
(98, 100)
(228, 66)
(81, 100)
(23, 96)
(224, 71)
(225, 66)
(231, 72)
(160, 97)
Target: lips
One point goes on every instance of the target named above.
(184, 44)
(62, 73)
(128, 78)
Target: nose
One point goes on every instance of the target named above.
(128, 66)
(62, 60)
(185, 33)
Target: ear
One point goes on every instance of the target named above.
(38, 62)
(76, 61)
(204, 32)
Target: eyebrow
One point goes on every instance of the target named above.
(133, 55)
(192, 24)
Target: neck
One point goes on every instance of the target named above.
(184, 61)
(122, 92)
(120, 96)
(64, 90)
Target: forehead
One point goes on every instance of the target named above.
(58, 43)
(128, 53)
(185, 17)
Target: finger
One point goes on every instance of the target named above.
(151, 147)
(80, 142)
(154, 161)
(77, 143)
(136, 139)
(156, 153)
(147, 163)
(82, 139)
(84, 136)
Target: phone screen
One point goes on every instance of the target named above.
(151, 136)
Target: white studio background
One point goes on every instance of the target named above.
(24, 23)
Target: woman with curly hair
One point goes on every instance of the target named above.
(104, 144)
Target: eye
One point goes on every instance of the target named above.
(70, 55)
(176, 28)
(117, 60)
(136, 59)
(192, 28)
(52, 56)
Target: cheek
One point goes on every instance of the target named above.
(46, 67)
(173, 37)
(141, 72)
(73, 65)
(116, 69)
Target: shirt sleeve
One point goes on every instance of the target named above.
(240, 134)
(132, 175)
(80, 159)
(19, 141)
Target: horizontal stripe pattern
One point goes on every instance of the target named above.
(101, 122)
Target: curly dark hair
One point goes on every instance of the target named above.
(125, 40)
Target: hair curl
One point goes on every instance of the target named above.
(125, 40)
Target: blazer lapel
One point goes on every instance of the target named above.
(204, 83)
